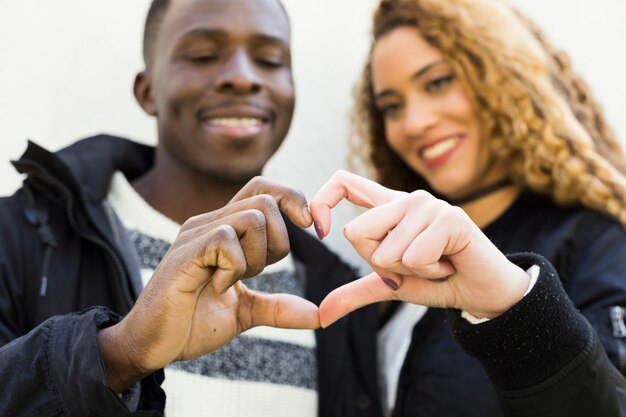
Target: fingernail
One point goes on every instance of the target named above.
(318, 230)
(306, 214)
(390, 283)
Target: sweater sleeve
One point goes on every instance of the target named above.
(56, 370)
(542, 355)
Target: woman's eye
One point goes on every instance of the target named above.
(389, 110)
(439, 83)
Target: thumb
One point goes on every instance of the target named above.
(354, 295)
(280, 310)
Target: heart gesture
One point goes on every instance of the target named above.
(422, 251)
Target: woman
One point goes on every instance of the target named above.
(465, 99)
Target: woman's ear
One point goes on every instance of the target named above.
(142, 89)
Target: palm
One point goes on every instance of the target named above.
(215, 321)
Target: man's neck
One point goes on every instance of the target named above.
(181, 194)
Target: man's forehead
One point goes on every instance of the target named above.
(262, 17)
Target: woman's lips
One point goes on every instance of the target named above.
(440, 151)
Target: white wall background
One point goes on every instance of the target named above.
(67, 68)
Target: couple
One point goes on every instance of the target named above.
(475, 128)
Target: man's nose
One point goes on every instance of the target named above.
(239, 75)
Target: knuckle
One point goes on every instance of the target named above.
(456, 213)
(354, 232)
(340, 175)
(382, 261)
(400, 194)
(262, 185)
(410, 260)
(183, 235)
(421, 196)
(255, 217)
(299, 196)
(191, 222)
(224, 233)
(266, 201)
(257, 181)
(187, 235)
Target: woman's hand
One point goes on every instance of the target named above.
(422, 250)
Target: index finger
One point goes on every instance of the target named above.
(352, 296)
(291, 201)
(346, 185)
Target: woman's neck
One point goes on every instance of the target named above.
(487, 208)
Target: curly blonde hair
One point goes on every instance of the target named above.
(538, 113)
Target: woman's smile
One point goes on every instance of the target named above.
(438, 152)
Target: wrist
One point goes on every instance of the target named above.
(122, 372)
(512, 291)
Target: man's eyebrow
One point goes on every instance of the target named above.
(204, 33)
(417, 75)
(265, 38)
(221, 34)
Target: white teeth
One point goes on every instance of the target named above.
(236, 122)
(438, 149)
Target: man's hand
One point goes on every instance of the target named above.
(422, 250)
(195, 303)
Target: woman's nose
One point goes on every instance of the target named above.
(419, 118)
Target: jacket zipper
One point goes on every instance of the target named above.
(40, 172)
(619, 332)
(340, 401)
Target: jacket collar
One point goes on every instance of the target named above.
(87, 166)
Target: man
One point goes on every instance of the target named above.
(93, 221)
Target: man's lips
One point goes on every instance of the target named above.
(237, 109)
(242, 122)
(438, 151)
(236, 127)
(236, 121)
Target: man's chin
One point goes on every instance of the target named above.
(233, 176)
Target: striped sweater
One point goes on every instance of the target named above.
(263, 372)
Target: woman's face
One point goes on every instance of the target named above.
(429, 120)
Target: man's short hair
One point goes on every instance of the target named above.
(157, 11)
(153, 23)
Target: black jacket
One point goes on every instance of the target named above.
(61, 253)
(59, 238)
(542, 356)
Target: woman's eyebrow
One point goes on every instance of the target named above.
(418, 74)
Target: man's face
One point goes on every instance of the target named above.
(221, 85)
